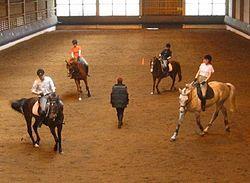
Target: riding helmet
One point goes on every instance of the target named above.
(119, 80)
(40, 72)
(74, 41)
(208, 57)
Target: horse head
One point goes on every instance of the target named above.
(184, 99)
(55, 107)
(71, 66)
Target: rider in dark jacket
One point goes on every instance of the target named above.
(165, 55)
(119, 99)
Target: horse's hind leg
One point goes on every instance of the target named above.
(29, 129)
(87, 87)
(224, 112)
(198, 121)
(173, 79)
(52, 130)
(215, 115)
(35, 126)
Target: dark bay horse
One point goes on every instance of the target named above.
(157, 73)
(53, 120)
(78, 73)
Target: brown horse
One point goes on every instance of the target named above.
(189, 101)
(157, 73)
(77, 73)
(54, 118)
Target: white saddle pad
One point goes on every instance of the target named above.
(35, 108)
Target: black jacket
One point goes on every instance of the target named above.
(165, 54)
(119, 96)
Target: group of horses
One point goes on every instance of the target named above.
(188, 100)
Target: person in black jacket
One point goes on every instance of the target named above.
(119, 99)
(166, 55)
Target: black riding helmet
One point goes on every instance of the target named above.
(40, 72)
(208, 57)
(74, 41)
(168, 45)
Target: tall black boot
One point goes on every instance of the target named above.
(87, 70)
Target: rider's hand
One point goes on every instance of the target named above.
(41, 94)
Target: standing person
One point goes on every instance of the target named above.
(203, 75)
(166, 55)
(43, 86)
(119, 99)
(76, 53)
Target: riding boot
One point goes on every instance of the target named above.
(203, 103)
(42, 119)
(87, 70)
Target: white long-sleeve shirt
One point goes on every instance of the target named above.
(43, 87)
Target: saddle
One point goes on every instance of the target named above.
(209, 93)
(36, 109)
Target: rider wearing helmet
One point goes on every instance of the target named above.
(76, 53)
(203, 75)
(166, 55)
(43, 86)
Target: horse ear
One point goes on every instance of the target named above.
(180, 90)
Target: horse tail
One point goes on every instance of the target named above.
(18, 105)
(179, 72)
(232, 97)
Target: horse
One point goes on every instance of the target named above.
(78, 73)
(157, 73)
(189, 102)
(54, 118)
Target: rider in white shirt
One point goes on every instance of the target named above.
(43, 86)
(203, 75)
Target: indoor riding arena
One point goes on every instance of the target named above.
(122, 39)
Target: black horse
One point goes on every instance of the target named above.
(157, 73)
(54, 118)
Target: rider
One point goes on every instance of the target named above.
(43, 86)
(166, 55)
(203, 75)
(76, 53)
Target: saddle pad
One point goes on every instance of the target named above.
(209, 94)
(35, 109)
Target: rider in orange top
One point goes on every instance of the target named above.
(76, 53)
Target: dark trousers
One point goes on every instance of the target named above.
(120, 114)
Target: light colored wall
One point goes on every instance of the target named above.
(246, 11)
(237, 10)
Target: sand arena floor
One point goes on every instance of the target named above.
(94, 149)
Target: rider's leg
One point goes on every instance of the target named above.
(170, 67)
(203, 101)
(42, 102)
(84, 64)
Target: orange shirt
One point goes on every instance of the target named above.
(75, 51)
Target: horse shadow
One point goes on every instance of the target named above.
(71, 97)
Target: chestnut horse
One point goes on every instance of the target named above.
(54, 118)
(157, 73)
(76, 71)
(189, 102)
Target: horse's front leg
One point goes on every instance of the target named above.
(158, 82)
(154, 80)
(180, 120)
(87, 87)
(59, 133)
(53, 132)
(35, 126)
(79, 89)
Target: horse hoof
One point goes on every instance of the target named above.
(152, 93)
(79, 98)
(172, 139)
(36, 145)
(228, 129)
(203, 133)
(61, 152)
